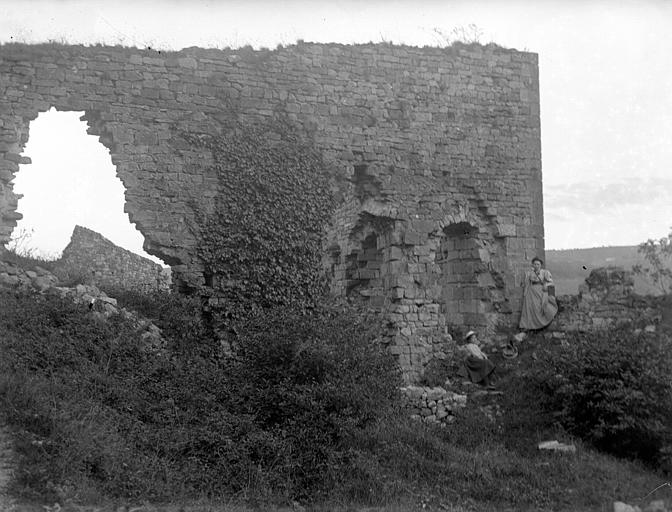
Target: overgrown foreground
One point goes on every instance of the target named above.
(307, 411)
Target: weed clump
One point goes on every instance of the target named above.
(611, 388)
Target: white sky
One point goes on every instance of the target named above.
(605, 81)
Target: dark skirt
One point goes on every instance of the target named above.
(478, 369)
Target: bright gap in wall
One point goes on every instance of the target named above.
(71, 181)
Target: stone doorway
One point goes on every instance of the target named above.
(463, 299)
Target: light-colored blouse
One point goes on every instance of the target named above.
(543, 277)
(471, 349)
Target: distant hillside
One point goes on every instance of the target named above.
(570, 267)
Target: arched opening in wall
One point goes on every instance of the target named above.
(462, 300)
(71, 181)
(362, 273)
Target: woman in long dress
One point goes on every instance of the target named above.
(539, 308)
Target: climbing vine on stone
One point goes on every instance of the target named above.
(262, 244)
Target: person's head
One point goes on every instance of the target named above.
(471, 337)
(537, 263)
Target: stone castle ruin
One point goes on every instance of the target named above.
(436, 150)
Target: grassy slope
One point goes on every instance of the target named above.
(71, 414)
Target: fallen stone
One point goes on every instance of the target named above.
(521, 336)
(435, 393)
(9, 280)
(414, 392)
(42, 272)
(108, 300)
(619, 506)
(42, 283)
(60, 291)
(656, 506)
(109, 309)
(86, 298)
(554, 445)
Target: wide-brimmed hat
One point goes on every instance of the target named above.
(510, 352)
(469, 335)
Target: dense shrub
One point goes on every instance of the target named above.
(438, 371)
(95, 411)
(180, 317)
(313, 380)
(612, 388)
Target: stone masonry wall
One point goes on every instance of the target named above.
(437, 150)
(607, 299)
(105, 263)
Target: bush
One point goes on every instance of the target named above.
(438, 371)
(312, 381)
(94, 411)
(180, 317)
(611, 388)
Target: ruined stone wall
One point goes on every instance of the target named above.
(96, 260)
(437, 151)
(608, 299)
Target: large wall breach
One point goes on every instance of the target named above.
(437, 150)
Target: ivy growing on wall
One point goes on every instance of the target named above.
(262, 244)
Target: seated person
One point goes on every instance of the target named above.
(476, 365)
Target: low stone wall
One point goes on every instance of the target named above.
(432, 405)
(92, 258)
(38, 279)
(607, 299)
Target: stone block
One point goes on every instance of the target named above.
(424, 226)
(13, 157)
(421, 250)
(187, 62)
(395, 253)
(9, 280)
(397, 293)
(412, 238)
(506, 230)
